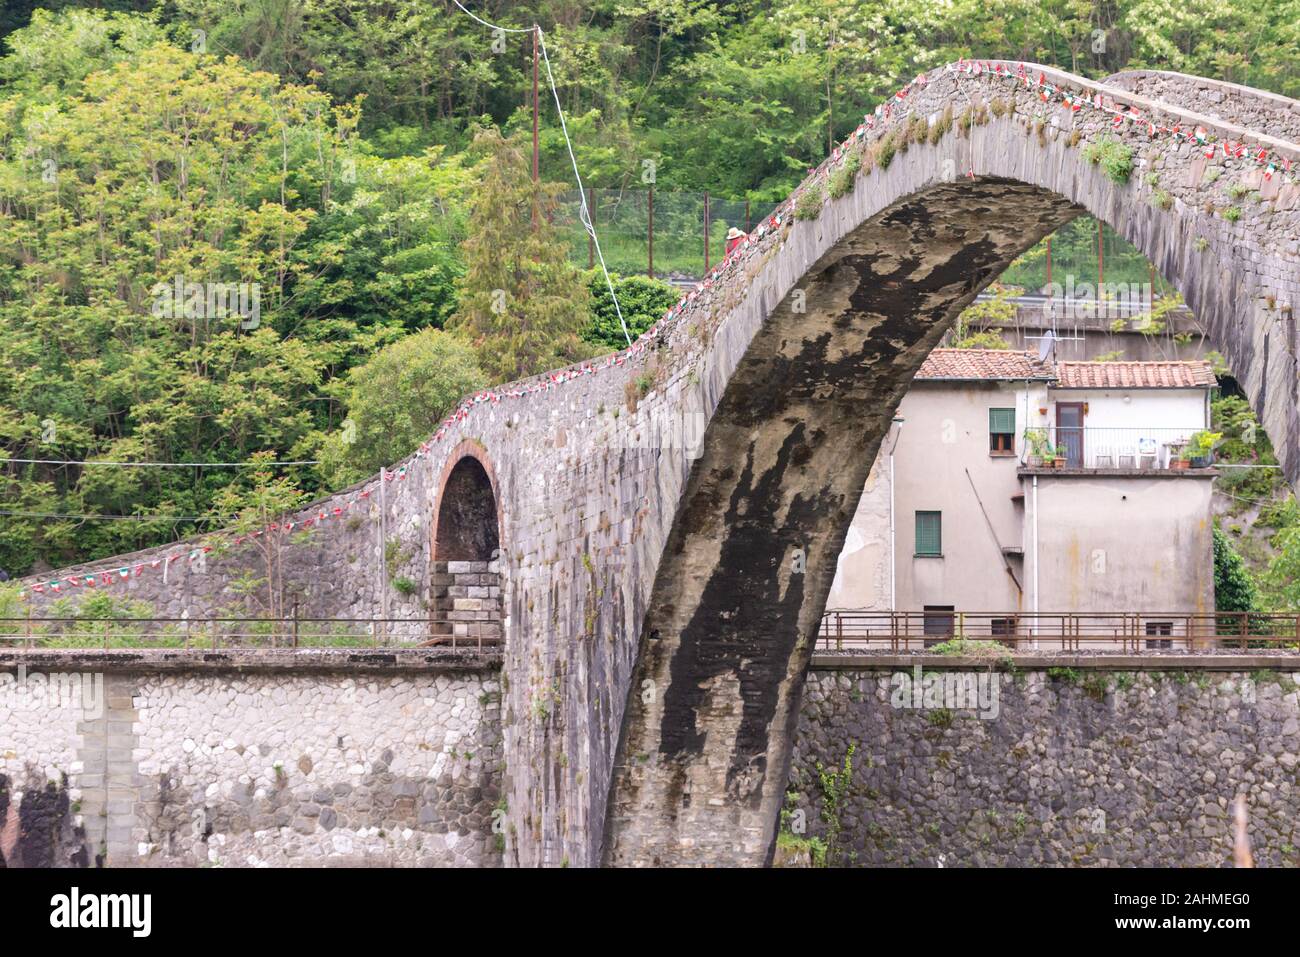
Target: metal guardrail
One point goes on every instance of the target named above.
(1126, 447)
(245, 633)
(1128, 632)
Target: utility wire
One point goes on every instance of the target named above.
(492, 26)
(584, 214)
(119, 518)
(160, 465)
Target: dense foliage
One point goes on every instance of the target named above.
(522, 303)
(642, 300)
(319, 156)
(1234, 590)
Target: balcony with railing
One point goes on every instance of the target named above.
(1128, 448)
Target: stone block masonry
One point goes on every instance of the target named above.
(466, 602)
(1082, 766)
(285, 765)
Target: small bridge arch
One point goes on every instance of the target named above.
(465, 582)
(467, 521)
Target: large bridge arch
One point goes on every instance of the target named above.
(854, 301)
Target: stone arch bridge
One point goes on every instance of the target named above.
(668, 520)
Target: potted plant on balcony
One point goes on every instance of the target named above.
(1038, 447)
(1180, 457)
(1200, 449)
(1058, 457)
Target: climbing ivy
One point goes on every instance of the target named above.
(835, 787)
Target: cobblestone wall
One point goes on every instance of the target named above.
(1079, 767)
(285, 767)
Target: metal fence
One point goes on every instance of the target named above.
(239, 633)
(1127, 447)
(679, 236)
(676, 236)
(1128, 632)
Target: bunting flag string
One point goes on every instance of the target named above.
(1075, 100)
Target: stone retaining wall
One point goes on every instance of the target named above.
(1079, 767)
(279, 765)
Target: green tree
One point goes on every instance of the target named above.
(977, 326)
(1234, 589)
(521, 303)
(1281, 580)
(397, 399)
(258, 503)
(643, 301)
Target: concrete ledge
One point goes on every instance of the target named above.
(1040, 661)
(297, 661)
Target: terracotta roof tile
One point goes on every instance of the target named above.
(983, 364)
(1134, 375)
(993, 364)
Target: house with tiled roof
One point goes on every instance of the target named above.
(1013, 488)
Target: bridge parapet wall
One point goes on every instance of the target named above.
(1229, 102)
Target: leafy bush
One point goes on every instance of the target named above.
(1280, 515)
(1234, 589)
(810, 202)
(1244, 443)
(1114, 158)
(643, 301)
(397, 400)
(1281, 582)
(885, 151)
(843, 178)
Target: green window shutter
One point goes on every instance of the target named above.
(1002, 420)
(929, 533)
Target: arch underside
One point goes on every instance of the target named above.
(467, 515)
(749, 563)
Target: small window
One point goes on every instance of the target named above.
(937, 622)
(929, 533)
(1160, 628)
(1003, 630)
(1002, 431)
